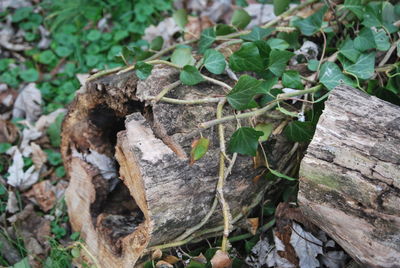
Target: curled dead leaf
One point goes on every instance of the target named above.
(43, 193)
(163, 264)
(171, 259)
(201, 258)
(157, 254)
(221, 260)
(253, 224)
(39, 157)
(8, 132)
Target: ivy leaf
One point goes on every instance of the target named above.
(331, 76)
(93, 35)
(280, 175)
(312, 24)
(206, 39)
(240, 18)
(266, 129)
(297, 131)
(157, 43)
(214, 61)
(190, 75)
(292, 79)
(279, 44)
(245, 141)
(224, 29)
(380, 15)
(278, 60)
(29, 75)
(381, 40)
(313, 65)
(143, 70)
(199, 149)
(349, 51)
(257, 33)
(365, 40)
(46, 57)
(247, 58)
(182, 56)
(180, 18)
(280, 6)
(242, 94)
(355, 6)
(363, 68)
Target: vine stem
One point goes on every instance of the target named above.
(322, 54)
(260, 111)
(190, 102)
(165, 91)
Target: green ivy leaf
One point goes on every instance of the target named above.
(313, 65)
(292, 79)
(190, 75)
(53, 157)
(240, 18)
(214, 61)
(247, 58)
(312, 24)
(93, 35)
(279, 44)
(266, 129)
(257, 33)
(278, 60)
(297, 131)
(4, 147)
(60, 172)
(21, 14)
(349, 51)
(355, 6)
(363, 68)
(47, 57)
(365, 40)
(199, 149)
(157, 43)
(380, 15)
(245, 141)
(381, 39)
(242, 94)
(29, 75)
(182, 56)
(180, 18)
(331, 76)
(206, 39)
(280, 175)
(143, 70)
(62, 51)
(224, 29)
(280, 6)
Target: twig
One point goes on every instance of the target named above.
(323, 53)
(260, 111)
(165, 91)
(388, 54)
(190, 102)
(217, 82)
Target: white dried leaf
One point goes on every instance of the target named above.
(46, 120)
(334, 259)
(306, 246)
(166, 29)
(82, 78)
(260, 253)
(218, 10)
(28, 134)
(12, 202)
(28, 103)
(103, 163)
(15, 4)
(308, 51)
(39, 157)
(18, 177)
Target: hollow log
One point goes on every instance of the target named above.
(131, 184)
(350, 176)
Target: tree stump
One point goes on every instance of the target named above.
(131, 184)
(350, 176)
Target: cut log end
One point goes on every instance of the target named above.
(131, 185)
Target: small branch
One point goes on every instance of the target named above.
(103, 73)
(323, 53)
(168, 49)
(165, 91)
(388, 54)
(260, 111)
(191, 102)
(217, 82)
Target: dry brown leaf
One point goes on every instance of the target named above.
(44, 195)
(163, 264)
(39, 157)
(195, 26)
(157, 254)
(201, 258)
(12, 202)
(253, 224)
(171, 259)
(8, 132)
(221, 260)
(28, 103)
(7, 98)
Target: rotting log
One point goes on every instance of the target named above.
(131, 185)
(350, 176)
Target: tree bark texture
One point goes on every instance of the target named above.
(350, 176)
(131, 185)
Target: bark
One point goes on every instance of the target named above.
(131, 185)
(350, 176)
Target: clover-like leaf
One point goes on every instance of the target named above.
(257, 33)
(280, 6)
(245, 141)
(292, 79)
(365, 40)
(279, 44)
(199, 149)
(349, 51)
(240, 18)
(266, 129)
(312, 24)
(157, 43)
(247, 58)
(242, 94)
(381, 40)
(190, 75)
(180, 18)
(214, 61)
(278, 60)
(299, 131)
(380, 15)
(206, 39)
(355, 6)
(363, 68)
(182, 56)
(29, 75)
(331, 76)
(143, 70)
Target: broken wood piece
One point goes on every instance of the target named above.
(350, 176)
(131, 185)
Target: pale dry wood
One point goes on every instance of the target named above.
(350, 176)
(160, 195)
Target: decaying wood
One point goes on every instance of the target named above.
(131, 185)
(350, 176)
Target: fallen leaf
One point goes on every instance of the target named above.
(201, 258)
(157, 254)
(18, 177)
(28, 134)
(171, 259)
(163, 264)
(8, 132)
(166, 28)
(43, 193)
(334, 259)
(221, 260)
(306, 245)
(105, 164)
(39, 157)
(253, 224)
(195, 26)
(46, 120)
(308, 51)
(7, 98)
(12, 202)
(28, 103)
(82, 78)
